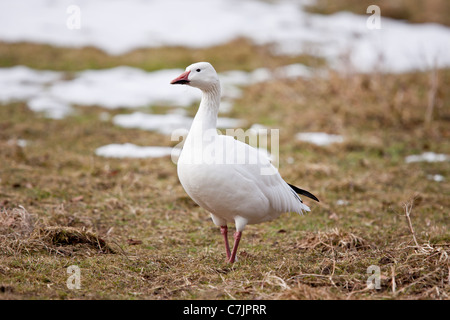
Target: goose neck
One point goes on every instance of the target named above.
(206, 117)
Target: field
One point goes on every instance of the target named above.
(135, 234)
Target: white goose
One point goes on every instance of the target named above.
(229, 178)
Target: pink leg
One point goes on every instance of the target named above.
(224, 232)
(237, 238)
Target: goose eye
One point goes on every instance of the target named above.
(198, 70)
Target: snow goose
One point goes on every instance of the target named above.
(227, 177)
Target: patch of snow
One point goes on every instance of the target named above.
(436, 177)
(296, 70)
(124, 87)
(129, 150)
(50, 106)
(130, 24)
(342, 202)
(319, 138)
(120, 87)
(427, 157)
(20, 83)
(18, 142)
(165, 123)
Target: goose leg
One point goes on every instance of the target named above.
(237, 238)
(224, 232)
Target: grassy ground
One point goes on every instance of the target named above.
(134, 233)
(239, 54)
(152, 241)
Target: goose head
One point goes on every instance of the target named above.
(199, 75)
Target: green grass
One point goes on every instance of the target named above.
(239, 54)
(163, 246)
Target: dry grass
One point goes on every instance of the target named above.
(135, 234)
(239, 54)
(21, 234)
(415, 11)
(16, 223)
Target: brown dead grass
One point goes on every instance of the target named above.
(67, 236)
(20, 233)
(240, 54)
(16, 223)
(332, 240)
(415, 11)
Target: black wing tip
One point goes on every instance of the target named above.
(304, 192)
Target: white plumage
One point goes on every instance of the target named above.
(232, 180)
